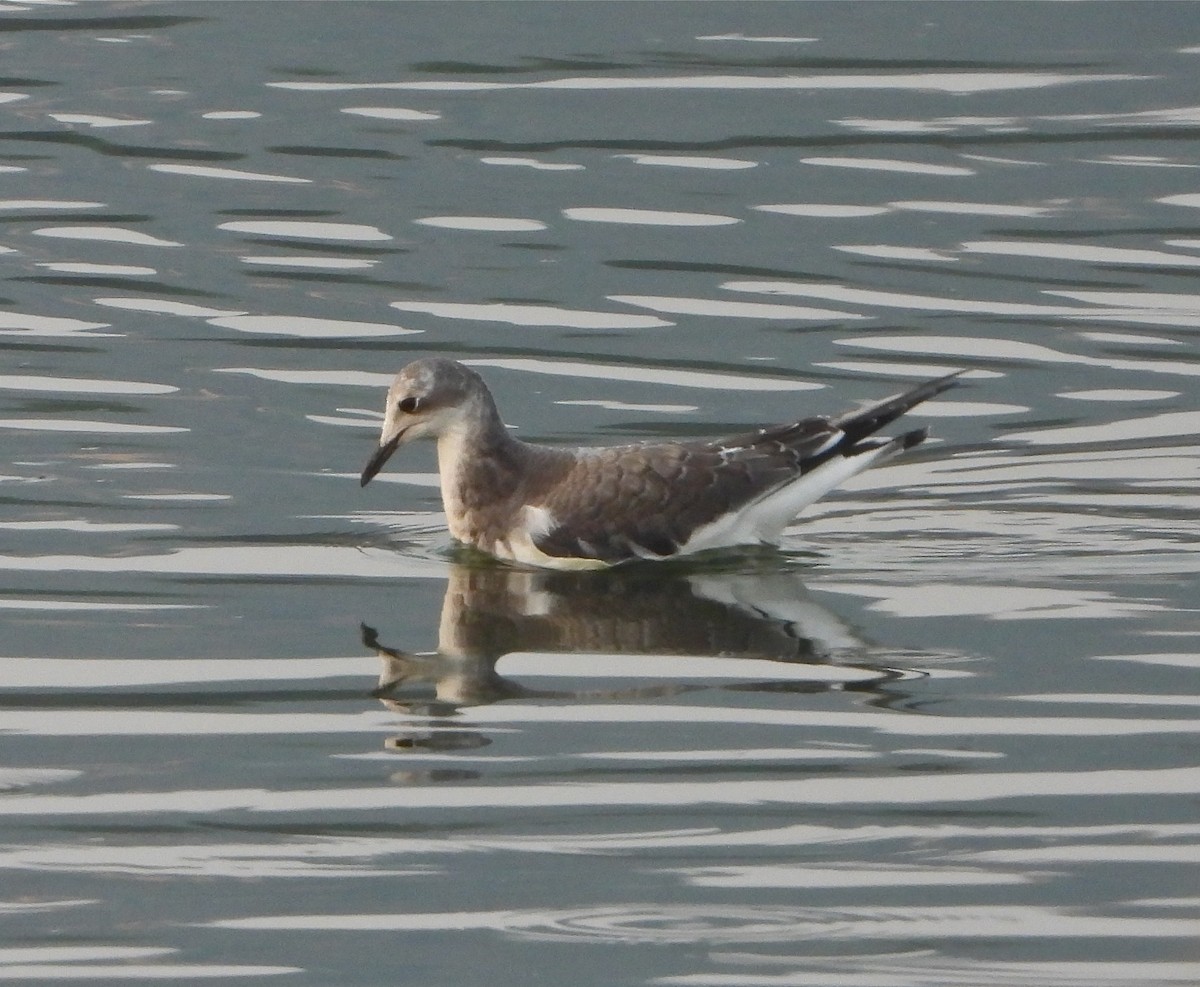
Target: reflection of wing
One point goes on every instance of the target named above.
(651, 500)
(629, 611)
(782, 599)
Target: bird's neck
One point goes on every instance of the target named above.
(480, 466)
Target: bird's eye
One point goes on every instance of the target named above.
(407, 405)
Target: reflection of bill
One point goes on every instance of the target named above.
(635, 633)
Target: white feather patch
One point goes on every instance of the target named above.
(763, 520)
(519, 546)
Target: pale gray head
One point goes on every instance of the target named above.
(427, 398)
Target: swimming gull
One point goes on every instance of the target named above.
(593, 507)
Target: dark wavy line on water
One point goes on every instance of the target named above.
(880, 65)
(166, 698)
(88, 218)
(74, 406)
(66, 23)
(816, 142)
(12, 80)
(323, 247)
(326, 277)
(338, 152)
(118, 150)
(656, 59)
(1115, 135)
(132, 283)
(732, 270)
(37, 345)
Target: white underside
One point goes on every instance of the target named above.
(761, 522)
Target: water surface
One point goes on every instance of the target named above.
(259, 723)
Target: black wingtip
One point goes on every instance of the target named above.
(931, 388)
(913, 438)
(946, 381)
(859, 424)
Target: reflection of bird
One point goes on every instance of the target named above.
(763, 627)
(586, 508)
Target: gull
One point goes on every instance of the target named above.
(594, 507)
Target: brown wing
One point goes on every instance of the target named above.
(636, 501)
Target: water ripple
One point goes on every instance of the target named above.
(894, 790)
(928, 969)
(947, 721)
(960, 83)
(632, 922)
(209, 171)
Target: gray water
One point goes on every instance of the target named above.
(256, 722)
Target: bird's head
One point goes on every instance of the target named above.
(427, 398)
